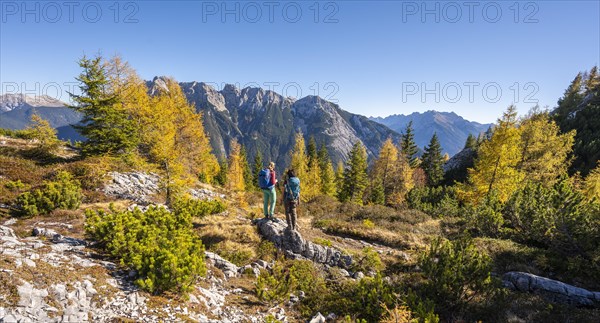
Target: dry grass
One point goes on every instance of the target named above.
(405, 229)
(9, 296)
(247, 300)
(119, 205)
(229, 235)
(17, 143)
(19, 169)
(30, 149)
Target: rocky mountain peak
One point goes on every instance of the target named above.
(265, 120)
(158, 83)
(9, 102)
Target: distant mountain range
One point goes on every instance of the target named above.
(16, 111)
(452, 129)
(265, 121)
(260, 119)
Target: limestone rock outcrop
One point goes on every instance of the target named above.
(296, 247)
(552, 290)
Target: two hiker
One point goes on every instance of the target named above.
(267, 179)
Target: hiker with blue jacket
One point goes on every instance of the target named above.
(266, 181)
(291, 199)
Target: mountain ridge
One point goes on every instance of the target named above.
(16, 111)
(265, 121)
(451, 128)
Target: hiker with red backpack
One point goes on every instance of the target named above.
(291, 199)
(267, 179)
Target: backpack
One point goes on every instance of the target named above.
(292, 188)
(264, 179)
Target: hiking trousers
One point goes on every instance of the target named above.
(269, 197)
(290, 214)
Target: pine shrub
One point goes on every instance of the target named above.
(198, 208)
(422, 309)
(436, 201)
(456, 273)
(370, 296)
(15, 185)
(266, 250)
(160, 245)
(63, 193)
(486, 218)
(292, 277)
(557, 217)
(369, 260)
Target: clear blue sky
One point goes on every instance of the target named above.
(373, 57)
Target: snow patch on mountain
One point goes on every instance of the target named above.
(9, 102)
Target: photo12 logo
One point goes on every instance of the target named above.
(454, 92)
(69, 11)
(41, 91)
(269, 11)
(469, 11)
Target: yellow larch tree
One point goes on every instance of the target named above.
(402, 181)
(40, 130)
(496, 167)
(176, 139)
(544, 149)
(300, 165)
(385, 169)
(235, 168)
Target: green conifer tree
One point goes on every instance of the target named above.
(409, 147)
(579, 109)
(339, 180)
(377, 195)
(433, 162)
(355, 175)
(108, 127)
(247, 172)
(221, 177)
(471, 142)
(568, 103)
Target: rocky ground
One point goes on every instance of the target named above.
(52, 278)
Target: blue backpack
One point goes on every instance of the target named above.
(264, 179)
(292, 188)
